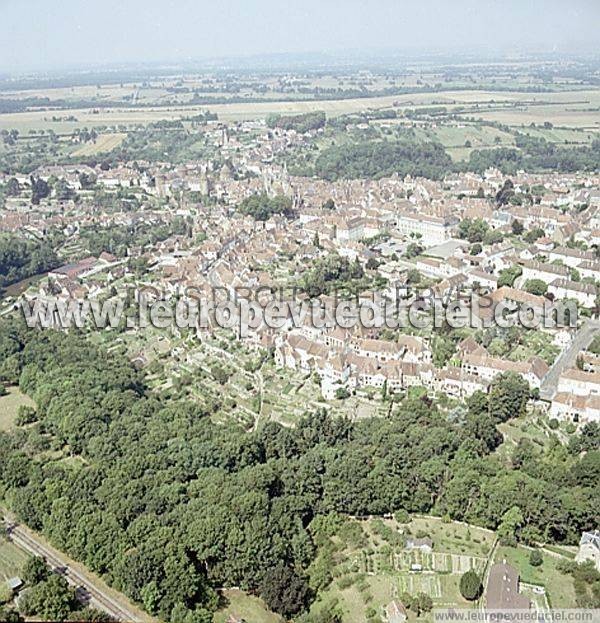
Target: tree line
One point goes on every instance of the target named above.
(375, 159)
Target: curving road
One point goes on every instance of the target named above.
(87, 588)
(568, 357)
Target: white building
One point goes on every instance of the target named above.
(432, 230)
(576, 409)
(589, 548)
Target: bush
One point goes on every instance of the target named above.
(535, 558)
(536, 286)
(566, 566)
(5, 594)
(470, 586)
(10, 616)
(553, 423)
(425, 602)
(345, 582)
(342, 393)
(363, 587)
(402, 516)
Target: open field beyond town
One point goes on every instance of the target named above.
(576, 109)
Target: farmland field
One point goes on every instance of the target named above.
(574, 117)
(104, 143)
(578, 109)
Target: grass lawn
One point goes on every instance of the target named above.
(569, 551)
(559, 587)
(562, 135)
(247, 607)
(9, 406)
(12, 560)
(365, 593)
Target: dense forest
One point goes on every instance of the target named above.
(146, 490)
(301, 123)
(374, 158)
(20, 258)
(377, 159)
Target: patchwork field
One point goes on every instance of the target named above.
(461, 139)
(381, 569)
(578, 109)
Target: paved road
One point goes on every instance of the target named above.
(486, 573)
(567, 359)
(86, 589)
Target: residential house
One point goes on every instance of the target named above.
(424, 545)
(589, 548)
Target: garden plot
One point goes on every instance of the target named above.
(437, 562)
(421, 583)
(402, 561)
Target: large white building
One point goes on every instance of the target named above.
(431, 229)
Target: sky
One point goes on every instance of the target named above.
(46, 34)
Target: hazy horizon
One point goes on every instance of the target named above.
(45, 36)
